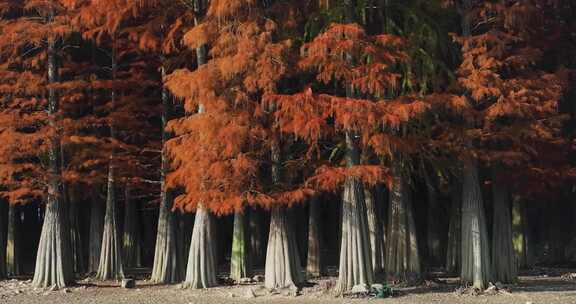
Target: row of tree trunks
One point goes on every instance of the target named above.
(3, 237)
(13, 265)
(402, 255)
(75, 235)
(375, 230)
(454, 245)
(314, 262)
(132, 257)
(521, 236)
(96, 232)
(240, 264)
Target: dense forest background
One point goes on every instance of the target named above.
(381, 138)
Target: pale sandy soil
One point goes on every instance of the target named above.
(537, 288)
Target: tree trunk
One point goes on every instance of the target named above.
(3, 237)
(454, 248)
(13, 266)
(355, 253)
(402, 256)
(433, 223)
(184, 236)
(167, 263)
(201, 268)
(256, 242)
(375, 230)
(53, 264)
(110, 265)
(475, 246)
(131, 233)
(503, 263)
(240, 266)
(521, 235)
(314, 265)
(96, 232)
(75, 235)
(282, 268)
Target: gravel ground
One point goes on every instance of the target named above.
(533, 289)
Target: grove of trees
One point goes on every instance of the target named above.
(382, 138)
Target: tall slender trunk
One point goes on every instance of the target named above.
(96, 232)
(131, 232)
(521, 235)
(75, 235)
(504, 262)
(475, 245)
(283, 268)
(53, 263)
(314, 263)
(201, 268)
(402, 255)
(110, 264)
(454, 247)
(256, 238)
(3, 236)
(240, 264)
(375, 230)
(13, 265)
(355, 258)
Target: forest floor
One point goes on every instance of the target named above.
(542, 286)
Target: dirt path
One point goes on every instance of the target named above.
(531, 289)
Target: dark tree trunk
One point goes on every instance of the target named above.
(454, 248)
(375, 230)
(434, 238)
(53, 262)
(256, 238)
(110, 264)
(314, 263)
(96, 232)
(521, 235)
(201, 268)
(184, 236)
(355, 253)
(475, 244)
(240, 265)
(3, 237)
(504, 262)
(75, 235)
(402, 255)
(13, 265)
(131, 233)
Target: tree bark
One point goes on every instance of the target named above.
(503, 263)
(201, 268)
(454, 248)
(375, 230)
(520, 234)
(282, 269)
(402, 255)
(13, 265)
(110, 264)
(240, 265)
(167, 263)
(75, 235)
(475, 246)
(53, 264)
(3, 237)
(96, 232)
(131, 233)
(355, 253)
(314, 263)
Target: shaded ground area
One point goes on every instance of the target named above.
(539, 286)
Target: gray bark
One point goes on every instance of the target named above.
(355, 253)
(314, 263)
(13, 265)
(201, 268)
(282, 269)
(402, 255)
(96, 232)
(504, 262)
(53, 263)
(375, 230)
(240, 265)
(167, 266)
(475, 245)
(110, 264)
(131, 233)
(454, 248)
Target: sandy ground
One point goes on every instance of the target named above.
(532, 289)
